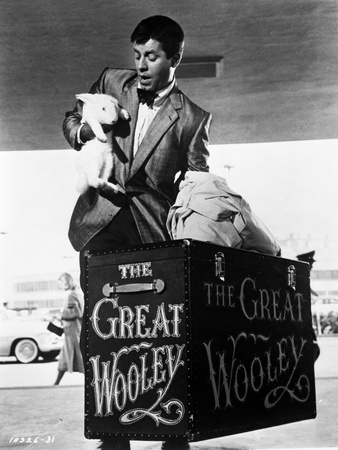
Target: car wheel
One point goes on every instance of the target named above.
(50, 356)
(26, 351)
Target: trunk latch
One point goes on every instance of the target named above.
(220, 266)
(292, 277)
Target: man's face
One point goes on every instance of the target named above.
(154, 69)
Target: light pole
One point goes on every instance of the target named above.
(229, 167)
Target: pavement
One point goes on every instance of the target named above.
(52, 417)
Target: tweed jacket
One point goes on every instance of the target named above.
(176, 141)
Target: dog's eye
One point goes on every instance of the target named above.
(103, 108)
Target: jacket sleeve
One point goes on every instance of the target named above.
(198, 153)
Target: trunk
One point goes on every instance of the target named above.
(188, 338)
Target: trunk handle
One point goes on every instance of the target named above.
(157, 286)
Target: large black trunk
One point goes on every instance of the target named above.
(188, 338)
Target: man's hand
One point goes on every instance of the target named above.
(107, 128)
(86, 133)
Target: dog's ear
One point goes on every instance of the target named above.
(85, 98)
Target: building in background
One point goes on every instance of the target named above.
(31, 292)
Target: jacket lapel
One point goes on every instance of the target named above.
(163, 120)
(129, 101)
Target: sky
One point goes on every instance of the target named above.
(291, 186)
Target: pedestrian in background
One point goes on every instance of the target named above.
(70, 359)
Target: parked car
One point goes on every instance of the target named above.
(27, 338)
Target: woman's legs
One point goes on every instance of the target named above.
(59, 377)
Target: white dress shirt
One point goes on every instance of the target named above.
(146, 114)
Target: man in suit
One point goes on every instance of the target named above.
(166, 135)
(152, 150)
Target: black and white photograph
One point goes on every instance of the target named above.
(168, 224)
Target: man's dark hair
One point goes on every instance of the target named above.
(164, 30)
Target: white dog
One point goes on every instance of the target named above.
(95, 160)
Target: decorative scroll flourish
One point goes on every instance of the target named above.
(303, 391)
(137, 414)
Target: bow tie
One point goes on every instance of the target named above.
(146, 97)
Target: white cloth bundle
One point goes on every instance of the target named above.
(206, 209)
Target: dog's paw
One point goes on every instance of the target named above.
(111, 187)
(108, 187)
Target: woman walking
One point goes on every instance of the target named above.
(70, 359)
